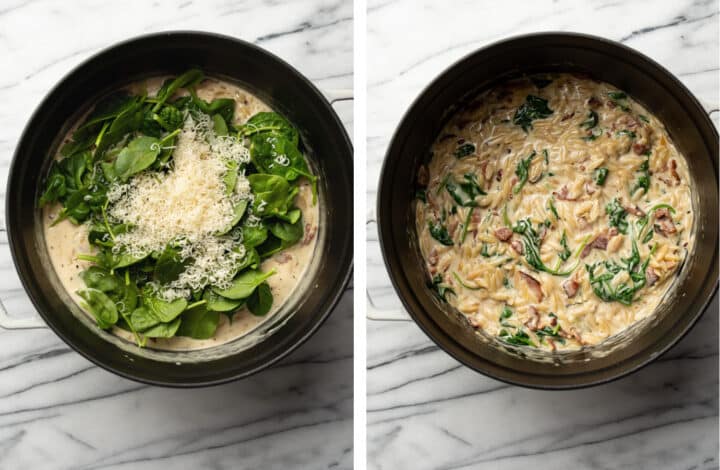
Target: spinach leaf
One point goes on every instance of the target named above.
(531, 245)
(522, 170)
(275, 154)
(187, 79)
(218, 303)
(244, 284)
(600, 175)
(623, 292)
(288, 233)
(219, 125)
(565, 254)
(619, 99)
(617, 215)
(129, 120)
(271, 124)
(520, 338)
(533, 108)
(643, 181)
(422, 195)
(627, 133)
(592, 120)
(230, 177)
(165, 311)
(169, 118)
(55, 187)
(163, 330)
(551, 206)
(140, 154)
(464, 150)
(440, 233)
(441, 289)
(142, 319)
(101, 307)
(199, 323)
(169, 265)
(260, 301)
(273, 194)
(100, 279)
(254, 235)
(505, 313)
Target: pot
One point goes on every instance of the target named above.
(329, 152)
(647, 82)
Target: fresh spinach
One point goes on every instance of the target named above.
(260, 300)
(464, 150)
(244, 284)
(199, 323)
(100, 306)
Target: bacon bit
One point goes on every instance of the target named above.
(612, 231)
(563, 194)
(590, 188)
(433, 257)
(552, 344)
(517, 246)
(476, 217)
(553, 321)
(542, 233)
(640, 149)
(665, 225)
(628, 122)
(423, 176)
(567, 116)
(283, 257)
(570, 287)
(309, 233)
(452, 226)
(503, 234)
(635, 211)
(446, 137)
(594, 102)
(460, 141)
(610, 104)
(534, 321)
(576, 334)
(600, 242)
(498, 176)
(652, 276)
(533, 284)
(673, 171)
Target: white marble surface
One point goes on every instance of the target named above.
(425, 410)
(57, 410)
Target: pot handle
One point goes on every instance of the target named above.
(373, 312)
(334, 95)
(11, 323)
(379, 314)
(710, 108)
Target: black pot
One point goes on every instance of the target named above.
(650, 84)
(286, 91)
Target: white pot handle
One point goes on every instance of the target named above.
(11, 323)
(338, 94)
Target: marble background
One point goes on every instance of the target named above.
(425, 410)
(57, 410)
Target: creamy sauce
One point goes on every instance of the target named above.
(65, 241)
(483, 269)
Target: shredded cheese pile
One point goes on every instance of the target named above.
(186, 206)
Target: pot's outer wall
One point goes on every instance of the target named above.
(276, 82)
(646, 81)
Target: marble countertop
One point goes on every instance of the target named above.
(57, 410)
(425, 410)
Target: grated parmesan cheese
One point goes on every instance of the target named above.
(186, 206)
